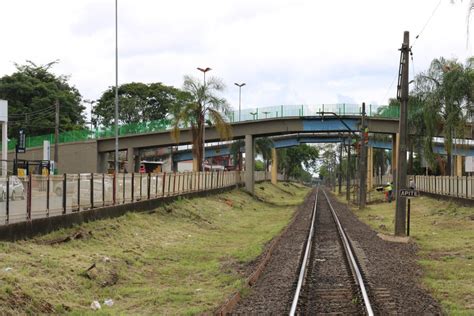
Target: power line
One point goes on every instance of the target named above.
(427, 22)
(31, 113)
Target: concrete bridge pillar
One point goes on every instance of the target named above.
(131, 163)
(249, 163)
(102, 162)
(370, 167)
(274, 166)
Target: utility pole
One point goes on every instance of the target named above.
(348, 171)
(363, 163)
(402, 95)
(340, 169)
(56, 138)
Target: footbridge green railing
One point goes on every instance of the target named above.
(246, 114)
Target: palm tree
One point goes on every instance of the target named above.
(206, 106)
(445, 91)
(264, 147)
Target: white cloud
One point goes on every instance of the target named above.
(288, 52)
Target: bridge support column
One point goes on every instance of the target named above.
(131, 164)
(274, 166)
(458, 166)
(370, 167)
(249, 163)
(102, 162)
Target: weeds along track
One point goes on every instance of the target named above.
(330, 280)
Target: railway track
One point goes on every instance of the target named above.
(330, 280)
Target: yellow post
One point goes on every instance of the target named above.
(195, 165)
(459, 166)
(370, 167)
(274, 166)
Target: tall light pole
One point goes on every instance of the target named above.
(91, 103)
(204, 70)
(116, 162)
(240, 85)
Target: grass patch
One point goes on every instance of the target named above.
(182, 258)
(444, 232)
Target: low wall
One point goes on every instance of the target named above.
(35, 227)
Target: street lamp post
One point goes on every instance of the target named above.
(116, 162)
(204, 70)
(91, 102)
(240, 85)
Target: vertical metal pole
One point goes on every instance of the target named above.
(114, 189)
(148, 186)
(92, 190)
(340, 169)
(400, 215)
(78, 192)
(7, 219)
(116, 164)
(47, 195)
(28, 202)
(363, 164)
(156, 186)
(408, 217)
(56, 138)
(141, 185)
(240, 100)
(348, 171)
(164, 177)
(64, 192)
(133, 186)
(103, 189)
(124, 188)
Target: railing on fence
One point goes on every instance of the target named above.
(39, 196)
(455, 186)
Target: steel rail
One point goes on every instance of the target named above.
(304, 264)
(352, 260)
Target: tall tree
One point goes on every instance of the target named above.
(31, 92)
(446, 93)
(138, 102)
(297, 161)
(263, 146)
(204, 106)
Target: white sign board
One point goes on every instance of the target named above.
(3, 111)
(409, 193)
(469, 166)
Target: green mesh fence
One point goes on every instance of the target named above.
(233, 116)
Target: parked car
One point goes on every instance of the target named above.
(85, 186)
(16, 189)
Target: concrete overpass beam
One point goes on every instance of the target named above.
(274, 166)
(249, 163)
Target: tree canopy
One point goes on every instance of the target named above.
(298, 161)
(204, 106)
(138, 102)
(32, 91)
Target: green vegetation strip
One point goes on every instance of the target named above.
(444, 233)
(183, 258)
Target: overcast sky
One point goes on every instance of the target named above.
(287, 51)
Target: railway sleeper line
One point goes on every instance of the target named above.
(330, 279)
